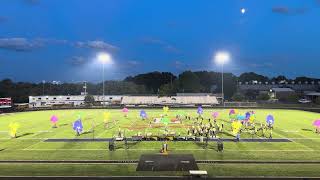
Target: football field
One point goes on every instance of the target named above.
(32, 150)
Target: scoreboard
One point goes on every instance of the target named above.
(5, 103)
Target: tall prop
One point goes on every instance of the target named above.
(54, 120)
(165, 121)
(215, 115)
(165, 110)
(241, 117)
(13, 128)
(236, 126)
(233, 114)
(143, 114)
(247, 115)
(316, 123)
(200, 111)
(270, 120)
(125, 111)
(77, 126)
(106, 119)
(252, 118)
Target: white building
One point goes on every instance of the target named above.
(72, 100)
(78, 100)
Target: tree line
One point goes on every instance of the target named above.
(157, 83)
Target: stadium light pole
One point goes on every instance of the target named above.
(221, 58)
(104, 58)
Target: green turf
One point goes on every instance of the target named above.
(35, 127)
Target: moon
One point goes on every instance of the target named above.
(243, 10)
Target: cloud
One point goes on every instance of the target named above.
(52, 41)
(100, 45)
(24, 44)
(163, 44)
(260, 65)
(289, 11)
(77, 60)
(19, 44)
(133, 63)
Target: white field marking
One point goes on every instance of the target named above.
(270, 150)
(32, 145)
(25, 138)
(44, 131)
(100, 134)
(290, 131)
(296, 142)
(79, 163)
(304, 138)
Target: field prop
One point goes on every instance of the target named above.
(252, 118)
(233, 114)
(215, 115)
(165, 110)
(248, 115)
(125, 111)
(106, 117)
(241, 117)
(270, 120)
(165, 121)
(236, 126)
(13, 128)
(54, 120)
(143, 114)
(77, 126)
(200, 111)
(316, 123)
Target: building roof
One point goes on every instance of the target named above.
(313, 94)
(282, 90)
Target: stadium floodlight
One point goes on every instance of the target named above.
(104, 58)
(221, 58)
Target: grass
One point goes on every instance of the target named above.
(35, 127)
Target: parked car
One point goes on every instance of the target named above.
(304, 101)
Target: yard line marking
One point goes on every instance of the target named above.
(25, 138)
(101, 134)
(32, 145)
(304, 138)
(295, 142)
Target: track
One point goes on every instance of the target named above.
(136, 162)
(197, 139)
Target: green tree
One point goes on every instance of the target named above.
(263, 97)
(189, 82)
(251, 76)
(317, 101)
(89, 100)
(238, 97)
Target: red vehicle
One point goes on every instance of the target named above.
(5, 103)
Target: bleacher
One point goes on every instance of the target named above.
(173, 100)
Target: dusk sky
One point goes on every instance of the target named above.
(59, 39)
